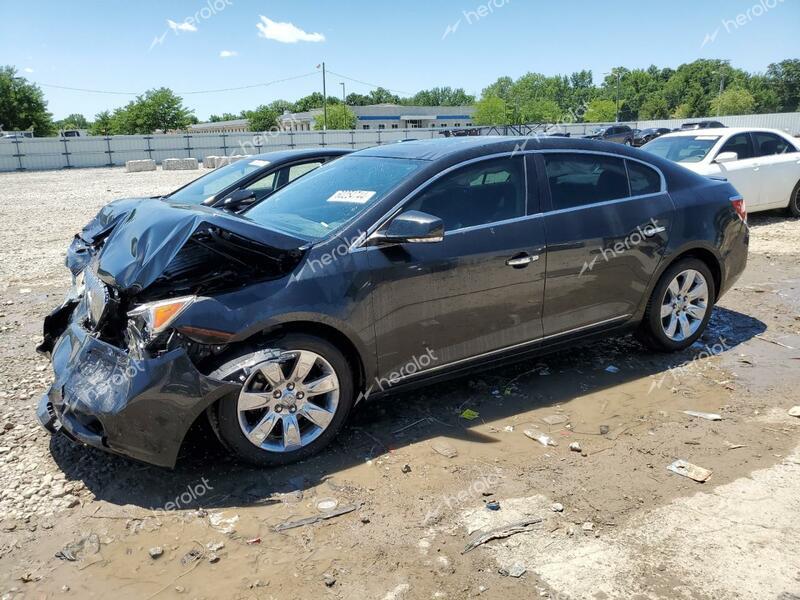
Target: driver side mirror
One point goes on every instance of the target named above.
(410, 227)
(235, 199)
(725, 157)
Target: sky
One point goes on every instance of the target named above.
(200, 45)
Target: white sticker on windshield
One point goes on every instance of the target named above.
(355, 196)
(707, 138)
(259, 163)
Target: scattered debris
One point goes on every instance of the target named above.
(587, 526)
(734, 446)
(557, 507)
(493, 505)
(794, 411)
(191, 556)
(555, 419)
(612, 369)
(221, 523)
(251, 541)
(765, 339)
(542, 438)
(575, 446)
(444, 449)
(406, 468)
(329, 579)
(502, 532)
(469, 414)
(316, 519)
(83, 547)
(155, 551)
(508, 428)
(515, 570)
(327, 504)
(687, 469)
(604, 429)
(703, 415)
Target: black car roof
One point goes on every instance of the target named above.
(284, 155)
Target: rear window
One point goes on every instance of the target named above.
(682, 148)
(580, 179)
(768, 144)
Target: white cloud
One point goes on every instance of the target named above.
(28, 70)
(228, 53)
(286, 33)
(185, 26)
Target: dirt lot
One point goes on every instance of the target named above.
(75, 522)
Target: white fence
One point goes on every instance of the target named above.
(100, 151)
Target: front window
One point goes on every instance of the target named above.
(322, 201)
(210, 185)
(683, 148)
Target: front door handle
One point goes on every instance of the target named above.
(521, 261)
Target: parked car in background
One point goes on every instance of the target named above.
(762, 164)
(385, 269)
(700, 125)
(621, 134)
(642, 136)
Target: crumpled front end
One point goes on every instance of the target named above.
(126, 379)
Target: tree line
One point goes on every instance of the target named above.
(697, 89)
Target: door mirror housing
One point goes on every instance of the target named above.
(410, 227)
(236, 198)
(725, 157)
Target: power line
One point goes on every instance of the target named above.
(372, 85)
(231, 89)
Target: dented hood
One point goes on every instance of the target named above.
(140, 238)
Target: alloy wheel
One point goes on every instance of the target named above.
(684, 306)
(287, 402)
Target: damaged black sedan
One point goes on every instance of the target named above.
(384, 269)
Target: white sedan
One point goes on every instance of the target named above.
(762, 164)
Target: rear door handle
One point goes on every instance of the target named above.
(650, 231)
(521, 260)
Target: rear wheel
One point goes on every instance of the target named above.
(295, 397)
(794, 202)
(680, 307)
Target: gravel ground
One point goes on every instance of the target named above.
(625, 527)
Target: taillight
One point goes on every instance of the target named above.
(740, 207)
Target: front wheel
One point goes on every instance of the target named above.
(295, 397)
(680, 307)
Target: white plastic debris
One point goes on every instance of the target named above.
(542, 438)
(703, 415)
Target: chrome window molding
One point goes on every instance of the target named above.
(359, 244)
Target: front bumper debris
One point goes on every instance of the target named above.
(102, 397)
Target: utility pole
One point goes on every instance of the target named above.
(619, 75)
(324, 101)
(344, 96)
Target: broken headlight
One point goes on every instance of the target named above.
(154, 317)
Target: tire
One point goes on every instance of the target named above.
(684, 324)
(279, 417)
(794, 202)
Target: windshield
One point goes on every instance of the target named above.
(210, 185)
(682, 148)
(325, 199)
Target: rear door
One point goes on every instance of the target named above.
(780, 163)
(607, 221)
(477, 291)
(745, 174)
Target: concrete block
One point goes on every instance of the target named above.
(226, 160)
(210, 162)
(179, 164)
(136, 166)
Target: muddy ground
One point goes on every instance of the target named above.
(79, 523)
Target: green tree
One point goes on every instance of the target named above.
(339, 117)
(102, 124)
(383, 96)
(357, 99)
(490, 110)
(733, 101)
(601, 111)
(225, 117)
(263, 118)
(442, 96)
(540, 111)
(156, 110)
(22, 105)
(785, 78)
(73, 121)
(654, 107)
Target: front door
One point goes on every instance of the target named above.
(478, 290)
(745, 173)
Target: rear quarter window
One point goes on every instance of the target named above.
(580, 179)
(644, 180)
